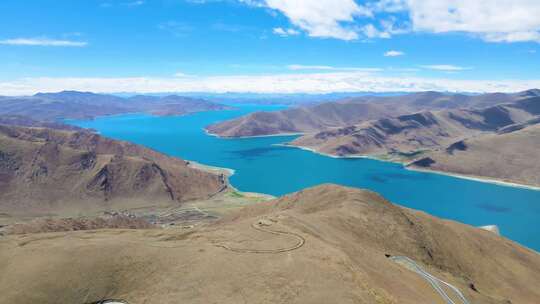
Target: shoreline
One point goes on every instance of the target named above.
(338, 156)
(212, 169)
(248, 137)
(489, 180)
(228, 172)
(482, 179)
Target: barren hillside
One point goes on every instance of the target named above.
(354, 111)
(46, 171)
(326, 244)
(509, 156)
(428, 130)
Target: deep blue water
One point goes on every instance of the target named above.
(262, 166)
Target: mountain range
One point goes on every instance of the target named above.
(51, 107)
(350, 111)
(421, 130)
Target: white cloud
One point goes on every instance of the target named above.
(445, 67)
(43, 42)
(370, 31)
(494, 20)
(322, 18)
(388, 6)
(285, 32)
(299, 67)
(281, 83)
(393, 53)
(135, 3)
(256, 3)
(512, 37)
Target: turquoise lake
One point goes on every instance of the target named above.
(263, 166)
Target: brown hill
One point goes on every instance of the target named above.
(24, 121)
(353, 111)
(41, 225)
(326, 244)
(53, 171)
(508, 156)
(412, 133)
(302, 119)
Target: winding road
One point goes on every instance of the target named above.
(300, 242)
(434, 281)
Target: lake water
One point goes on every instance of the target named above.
(263, 166)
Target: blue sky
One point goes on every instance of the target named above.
(268, 45)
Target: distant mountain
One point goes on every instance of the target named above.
(271, 98)
(78, 105)
(352, 111)
(174, 104)
(77, 97)
(45, 171)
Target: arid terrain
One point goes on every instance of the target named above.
(511, 157)
(427, 130)
(326, 244)
(45, 172)
(380, 129)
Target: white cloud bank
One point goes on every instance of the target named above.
(282, 83)
(43, 42)
(491, 20)
(321, 18)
